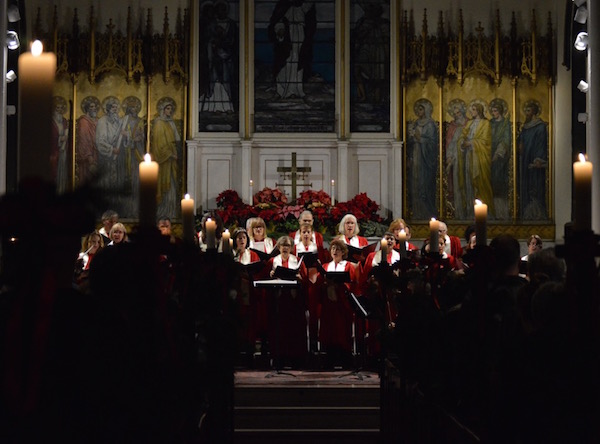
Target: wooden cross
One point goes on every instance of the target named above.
(292, 173)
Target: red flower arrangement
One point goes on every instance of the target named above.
(361, 206)
(270, 196)
(282, 216)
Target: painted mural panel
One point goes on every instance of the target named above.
(370, 66)
(294, 87)
(218, 66)
(111, 138)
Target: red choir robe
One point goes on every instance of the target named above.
(287, 314)
(336, 311)
(248, 301)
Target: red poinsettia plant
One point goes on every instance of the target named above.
(361, 206)
(269, 197)
(281, 216)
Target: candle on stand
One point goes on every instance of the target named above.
(481, 211)
(211, 229)
(251, 199)
(37, 70)
(187, 218)
(402, 242)
(332, 192)
(230, 245)
(384, 250)
(582, 178)
(434, 235)
(225, 242)
(148, 187)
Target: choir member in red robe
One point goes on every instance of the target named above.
(336, 322)
(287, 309)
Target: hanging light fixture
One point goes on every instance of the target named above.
(12, 40)
(581, 41)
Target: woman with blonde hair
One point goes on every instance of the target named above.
(118, 234)
(349, 230)
(258, 236)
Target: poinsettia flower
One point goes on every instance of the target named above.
(291, 210)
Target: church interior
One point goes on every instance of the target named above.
(219, 219)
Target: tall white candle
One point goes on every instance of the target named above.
(434, 235)
(187, 218)
(211, 238)
(148, 188)
(251, 199)
(225, 242)
(402, 243)
(481, 211)
(384, 250)
(582, 178)
(37, 70)
(332, 192)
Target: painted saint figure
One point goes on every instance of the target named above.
(220, 52)
(165, 142)
(291, 30)
(474, 161)
(457, 108)
(59, 148)
(134, 145)
(422, 158)
(371, 53)
(532, 144)
(87, 154)
(501, 153)
(109, 138)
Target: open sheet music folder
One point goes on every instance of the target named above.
(287, 274)
(253, 267)
(338, 277)
(358, 254)
(265, 256)
(309, 258)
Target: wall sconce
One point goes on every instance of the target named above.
(583, 86)
(13, 13)
(11, 76)
(12, 40)
(581, 41)
(581, 15)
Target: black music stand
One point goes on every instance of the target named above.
(277, 284)
(363, 312)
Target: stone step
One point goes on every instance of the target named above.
(312, 436)
(307, 396)
(350, 417)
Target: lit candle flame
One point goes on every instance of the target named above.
(147, 158)
(582, 157)
(37, 48)
(478, 202)
(187, 196)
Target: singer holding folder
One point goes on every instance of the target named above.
(335, 334)
(286, 307)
